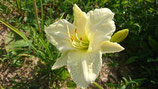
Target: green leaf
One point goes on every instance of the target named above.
(64, 74)
(156, 32)
(153, 43)
(131, 59)
(123, 87)
(152, 60)
(71, 85)
(1, 87)
(18, 3)
(18, 32)
(18, 44)
(15, 30)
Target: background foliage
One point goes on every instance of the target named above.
(140, 57)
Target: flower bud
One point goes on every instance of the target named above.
(119, 36)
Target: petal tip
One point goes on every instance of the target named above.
(122, 48)
(75, 6)
(54, 67)
(111, 47)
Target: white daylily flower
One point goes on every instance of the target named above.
(83, 43)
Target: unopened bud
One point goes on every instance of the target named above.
(119, 36)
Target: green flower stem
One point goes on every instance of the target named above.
(97, 85)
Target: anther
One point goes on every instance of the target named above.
(72, 38)
(80, 38)
(75, 30)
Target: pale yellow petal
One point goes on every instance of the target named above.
(100, 26)
(110, 47)
(57, 34)
(92, 62)
(74, 65)
(80, 19)
(84, 67)
(62, 61)
(101, 18)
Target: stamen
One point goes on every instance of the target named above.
(72, 37)
(76, 35)
(77, 41)
(80, 38)
(75, 30)
(68, 31)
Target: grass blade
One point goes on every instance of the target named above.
(18, 3)
(18, 32)
(15, 30)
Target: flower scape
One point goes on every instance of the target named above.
(83, 43)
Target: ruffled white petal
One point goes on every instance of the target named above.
(100, 18)
(100, 26)
(92, 62)
(57, 34)
(110, 47)
(74, 65)
(62, 61)
(80, 20)
(84, 67)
